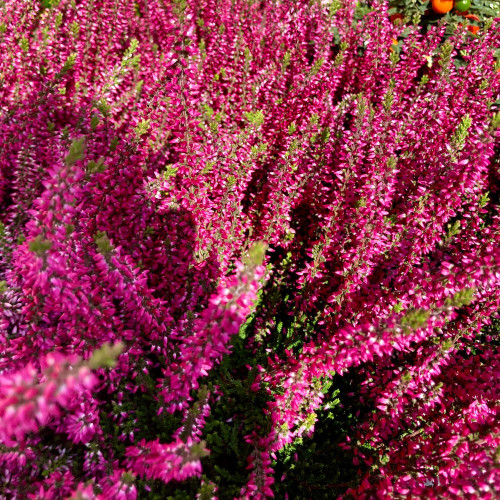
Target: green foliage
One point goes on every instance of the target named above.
(316, 67)
(445, 54)
(76, 151)
(75, 29)
(323, 466)
(286, 60)
(106, 356)
(231, 181)
(24, 44)
(257, 253)
(333, 7)
(96, 166)
(255, 118)
(461, 133)
(142, 128)
(207, 491)
(140, 417)
(323, 470)
(48, 4)
(362, 9)
(67, 66)
(228, 424)
(484, 200)
(398, 307)
(360, 203)
(339, 58)
(208, 167)
(453, 230)
(129, 59)
(416, 318)
(325, 135)
(169, 171)
(259, 149)
(94, 121)
(103, 243)
(40, 245)
(462, 298)
(58, 21)
(388, 100)
(103, 107)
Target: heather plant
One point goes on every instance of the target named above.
(244, 239)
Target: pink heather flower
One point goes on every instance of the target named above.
(166, 462)
(83, 492)
(82, 424)
(29, 398)
(57, 485)
(259, 463)
(119, 486)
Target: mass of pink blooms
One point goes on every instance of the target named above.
(163, 162)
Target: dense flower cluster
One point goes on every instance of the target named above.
(173, 174)
(30, 401)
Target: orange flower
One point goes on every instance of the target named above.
(442, 6)
(472, 16)
(395, 18)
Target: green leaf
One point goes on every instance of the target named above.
(142, 128)
(106, 356)
(76, 151)
(39, 245)
(103, 243)
(255, 118)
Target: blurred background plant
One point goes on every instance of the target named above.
(472, 14)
